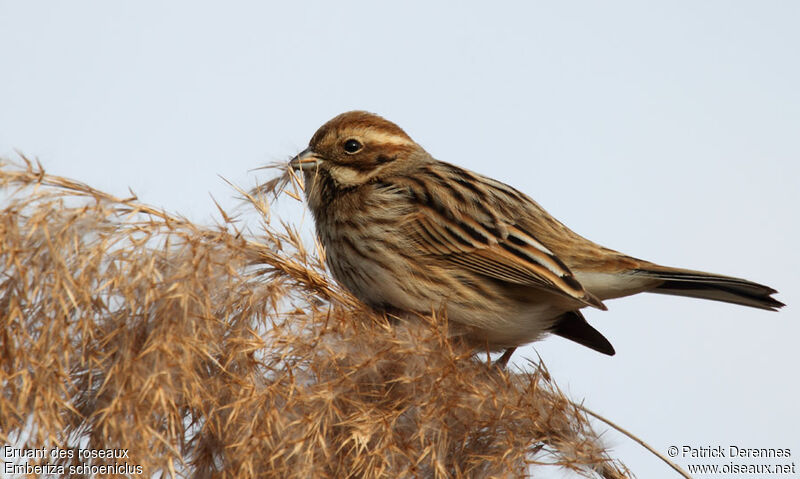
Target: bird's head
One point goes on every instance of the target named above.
(355, 148)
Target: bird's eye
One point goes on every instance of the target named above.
(352, 146)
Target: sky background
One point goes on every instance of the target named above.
(669, 131)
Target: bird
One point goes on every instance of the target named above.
(403, 231)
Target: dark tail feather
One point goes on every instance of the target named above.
(697, 284)
(573, 326)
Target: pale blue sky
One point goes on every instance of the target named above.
(669, 131)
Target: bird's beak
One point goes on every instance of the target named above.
(305, 160)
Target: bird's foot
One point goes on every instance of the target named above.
(502, 361)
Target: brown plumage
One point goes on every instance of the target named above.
(404, 231)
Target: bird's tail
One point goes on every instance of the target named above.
(697, 284)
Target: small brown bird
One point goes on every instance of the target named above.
(404, 231)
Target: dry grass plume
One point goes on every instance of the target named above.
(211, 352)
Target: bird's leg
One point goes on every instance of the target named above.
(503, 360)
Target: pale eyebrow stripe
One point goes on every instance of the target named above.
(388, 138)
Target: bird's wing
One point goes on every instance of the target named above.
(471, 236)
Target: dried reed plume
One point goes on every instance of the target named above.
(211, 352)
